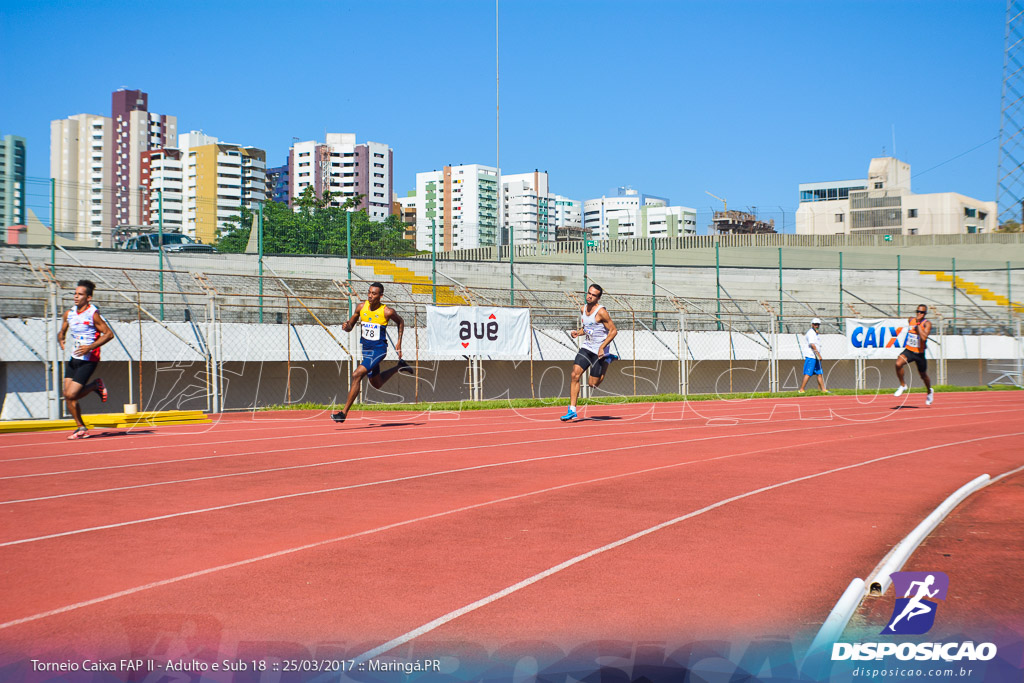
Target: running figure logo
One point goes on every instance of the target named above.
(914, 613)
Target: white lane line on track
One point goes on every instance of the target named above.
(493, 597)
(886, 416)
(424, 475)
(757, 407)
(475, 605)
(927, 416)
(350, 460)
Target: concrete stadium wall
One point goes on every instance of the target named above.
(255, 366)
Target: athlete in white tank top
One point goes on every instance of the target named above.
(598, 330)
(89, 331)
(595, 332)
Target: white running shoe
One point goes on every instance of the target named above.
(899, 392)
(930, 398)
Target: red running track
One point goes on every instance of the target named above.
(668, 521)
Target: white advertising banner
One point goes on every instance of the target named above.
(478, 331)
(883, 338)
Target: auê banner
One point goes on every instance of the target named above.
(883, 338)
(478, 331)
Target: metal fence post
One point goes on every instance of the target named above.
(212, 350)
(53, 404)
(654, 287)
(684, 352)
(1020, 350)
(780, 291)
(840, 284)
(53, 226)
(433, 261)
(160, 245)
(718, 286)
(259, 244)
(586, 282)
(942, 351)
(1009, 295)
(953, 282)
(899, 289)
(512, 265)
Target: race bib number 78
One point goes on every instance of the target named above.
(371, 331)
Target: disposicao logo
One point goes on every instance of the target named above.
(914, 614)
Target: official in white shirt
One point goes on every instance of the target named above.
(812, 357)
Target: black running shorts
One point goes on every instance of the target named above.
(915, 357)
(78, 370)
(587, 360)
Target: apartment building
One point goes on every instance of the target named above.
(12, 182)
(345, 168)
(631, 213)
(81, 147)
(457, 208)
(532, 213)
(218, 180)
(96, 162)
(135, 130)
(162, 179)
(884, 204)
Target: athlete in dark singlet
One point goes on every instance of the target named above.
(914, 352)
(373, 317)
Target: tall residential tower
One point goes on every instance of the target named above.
(12, 182)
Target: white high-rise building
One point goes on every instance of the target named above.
(80, 153)
(457, 207)
(531, 212)
(162, 178)
(883, 204)
(13, 208)
(567, 213)
(205, 184)
(632, 214)
(346, 169)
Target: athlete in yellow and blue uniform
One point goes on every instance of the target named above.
(373, 317)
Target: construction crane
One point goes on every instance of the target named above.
(719, 199)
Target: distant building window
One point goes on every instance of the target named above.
(839, 218)
(972, 229)
(911, 213)
(982, 215)
(878, 186)
(970, 213)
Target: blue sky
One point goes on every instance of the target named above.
(744, 99)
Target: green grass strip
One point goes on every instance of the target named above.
(609, 400)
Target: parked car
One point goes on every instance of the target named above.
(173, 242)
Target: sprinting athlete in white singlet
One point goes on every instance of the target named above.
(89, 331)
(598, 331)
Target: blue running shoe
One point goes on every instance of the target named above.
(569, 415)
(338, 416)
(609, 357)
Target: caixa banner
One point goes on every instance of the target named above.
(876, 338)
(478, 331)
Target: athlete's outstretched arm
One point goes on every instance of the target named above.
(347, 325)
(63, 330)
(392, 314)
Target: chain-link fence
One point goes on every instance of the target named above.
(200, 339)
